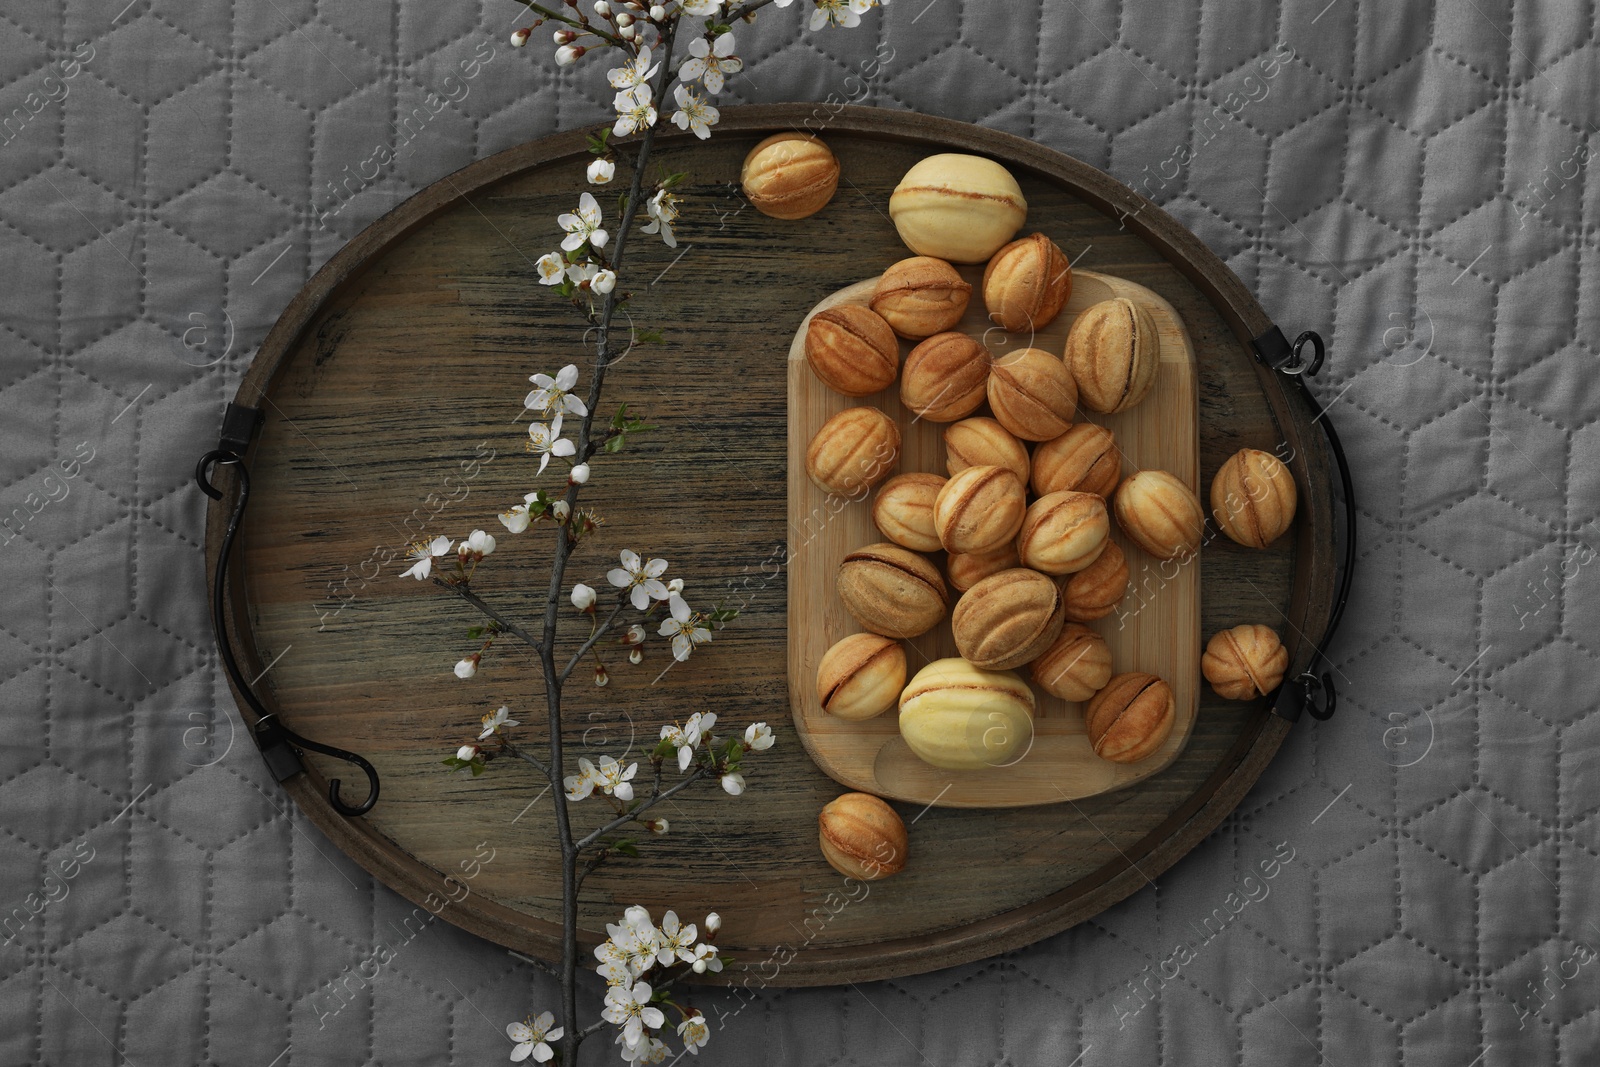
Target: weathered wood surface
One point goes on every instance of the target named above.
(405, 360)
(1157, 628)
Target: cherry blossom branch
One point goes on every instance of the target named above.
(553, 682)
(599, 632)
(461, 590)
(583, 26)
(620, 821)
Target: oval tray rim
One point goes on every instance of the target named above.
(1309, 611)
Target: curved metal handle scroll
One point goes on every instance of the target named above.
(1318, 695)
(273, 738)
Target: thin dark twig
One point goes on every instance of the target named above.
(698, 773)
(461, 590)
(524, 754)
(599, 632)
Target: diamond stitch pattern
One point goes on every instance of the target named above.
(1414, 185)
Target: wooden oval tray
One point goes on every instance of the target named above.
(390, 390)
(1162, 636)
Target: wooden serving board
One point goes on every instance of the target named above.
(1159, 633)
(391, 391)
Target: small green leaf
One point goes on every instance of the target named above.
(649, 337)
(474, 632)
(626, 847)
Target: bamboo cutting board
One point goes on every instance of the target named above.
(1155, 629)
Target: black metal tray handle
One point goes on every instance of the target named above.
(276, 741)
(1273, 349)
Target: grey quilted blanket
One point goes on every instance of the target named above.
(1412, 180)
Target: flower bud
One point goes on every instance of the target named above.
(630, 31)
(699, 967)
(582, 597)
(604, 282)
(579, 475)
(602, 171)
(675, 586)
(624, 20)
(636, 656)
(658, 12)
(713, 923)
(656, 826)
(467, 753)
(601, 7)
(560, 510)
(564, 36)
(568, 54)
(600, 675)
(635, 635)
(468, 667)
(520, 37)
(733, 784)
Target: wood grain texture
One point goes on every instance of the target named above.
(412, 346)
(1157, 629)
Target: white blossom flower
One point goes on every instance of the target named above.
(422, 555)
(634, 635)
(758, 735)
(705, 959)
(837, 12)
(694, 112)
(663, 211)
(641, 579)
(733, 784)
(713, 923)
(533, 1036)
(478, 543)
(579, 273)
(614, 965)
(701, 7)
(467, 667)
(493, 722)
(695, 1033)
(676, 942)
(580, 785)
(553, 396)
(552, 267)
(579, 475)
(699, 726)
(467, 753)
(675, 586)
(684, 628)
(546, 441)
(582, 597)
(656, 826)
(649, 1050)
(633, 74)
(629, 1008)
(583, 225)
(560, 510)
(709, 62)
(602, 171)
(515, 519)
(604, 281)
(635, 111)
(615, 779)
